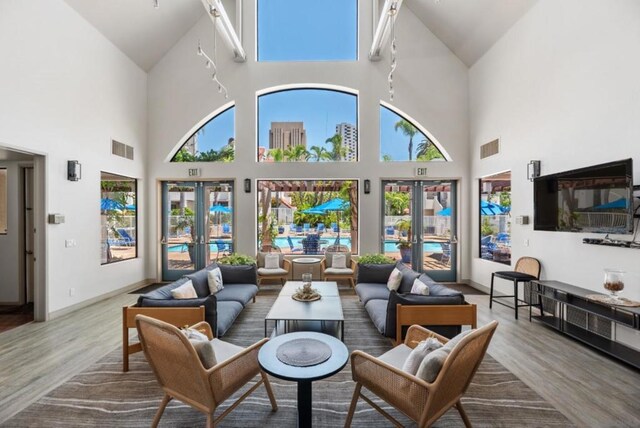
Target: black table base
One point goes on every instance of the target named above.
(304, 404)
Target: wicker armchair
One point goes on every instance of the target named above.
(329, 272)
(421, 401)
(282, 272)
(181, 374)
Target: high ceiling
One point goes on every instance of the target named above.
(145, 34)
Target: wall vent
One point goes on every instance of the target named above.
(121, 149)
(490, 149)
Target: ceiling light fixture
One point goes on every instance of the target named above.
(211, 64)
(156, 4)
(383, 26)
(219, 16)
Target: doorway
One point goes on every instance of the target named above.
(197, 225)
(419, 226)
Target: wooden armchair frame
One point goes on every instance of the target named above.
(420, 401)
(336, 276)
(177, 317)
(286, 265)
(182, 376)
(445, 315)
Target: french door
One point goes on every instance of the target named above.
(419, 226)
(197, 225)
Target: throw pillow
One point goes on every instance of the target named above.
(433, 362)
(418, 353)
(420, 287)
(271, 261)
(214, 278)
(185, 291)
(339, 261)
(394, 280)
(203, 347)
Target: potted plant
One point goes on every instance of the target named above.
(237, 259)
(185, 223)
(374, 268)
(375, 259)
(405, 250)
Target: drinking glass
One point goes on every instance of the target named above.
(614, 282)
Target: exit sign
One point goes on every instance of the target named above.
(194, 172)
(420, 172)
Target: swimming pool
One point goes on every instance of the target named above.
(181, 248)
(389, 246)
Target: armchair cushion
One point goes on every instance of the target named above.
(225, 350)
(260, 259)
(374, 273)
(368, 291)
(397, 356)
(239, 274)
(267, 272)
(338, 271)
(415, 299)
(329, 255)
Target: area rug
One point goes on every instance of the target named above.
(104, 396)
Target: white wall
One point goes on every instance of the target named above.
(430, 83)
(561, 86)
(66, 91)
(9, 243)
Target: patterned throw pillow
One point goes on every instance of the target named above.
(420, 287)
(203, 347)
(339, 261)
(418, 353)
(271, 261)
(185, 291)
(214, 278)
(394, 280)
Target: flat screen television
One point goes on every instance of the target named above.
(596, 199)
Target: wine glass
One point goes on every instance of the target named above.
(614, 282)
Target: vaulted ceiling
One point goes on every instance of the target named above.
(468, 27)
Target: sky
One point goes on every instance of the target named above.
(218, 131)
(307, 30)
(395, 143)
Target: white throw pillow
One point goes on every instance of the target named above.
(339, 261)
(418, 353)
(393, 283)
(214, 278)
(271, 261)
(185, 291)
(420, 287)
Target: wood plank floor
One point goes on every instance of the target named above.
(589, 388)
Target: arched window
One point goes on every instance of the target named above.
(213, 142)
(308, 125)
(401, 139)
(294, 30)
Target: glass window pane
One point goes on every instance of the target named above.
(307, 216)
(495, 217)
(3, 200)
(118, 215)
(307, 30)
(307, 125)
(214, 142)
(401, 140)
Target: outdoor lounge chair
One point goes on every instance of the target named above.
(306, 227)
(223, 247)
(226, 229)
(293, 248)
(125, 238)
(320, 227)
(334, 227)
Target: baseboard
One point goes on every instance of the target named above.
(88, 302)
(477, 286)
(16, 303)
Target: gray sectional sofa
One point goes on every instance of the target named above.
(222, 308)
(382, 304)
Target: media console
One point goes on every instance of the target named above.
(565, 308)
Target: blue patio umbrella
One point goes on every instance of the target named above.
(108, 204)
(130, 207)
(335, 204)
(486, 208)
(312, 211)
(219, 209)
(617, 204)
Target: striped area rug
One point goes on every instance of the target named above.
(103, 396)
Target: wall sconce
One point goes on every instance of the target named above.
(74, 170)
(533, 169)
(367, 187)
(247, 185)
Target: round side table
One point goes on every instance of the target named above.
(303, 261)
(304, 376)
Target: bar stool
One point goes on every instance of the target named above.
(527, 269)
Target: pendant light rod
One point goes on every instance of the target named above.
(216, 11)
(381, 34)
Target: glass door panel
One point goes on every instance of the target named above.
(219, 220)
(438, 230)
(398, 206)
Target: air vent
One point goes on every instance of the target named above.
(490, 149)
(121, 149)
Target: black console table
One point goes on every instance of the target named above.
(566, 308)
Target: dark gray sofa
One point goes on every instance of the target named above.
(222, 308)
(381, 304)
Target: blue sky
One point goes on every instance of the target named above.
(395, 143)
(320, 110)
(307, 30)
(218, 131)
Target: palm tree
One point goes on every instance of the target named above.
(277, 155)
(296, 153)
(386, 158)
(337, 152)
(427, 151)
(318, 153)
(409, 130)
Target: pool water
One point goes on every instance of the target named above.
(181, 248)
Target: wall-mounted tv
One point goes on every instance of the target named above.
(597, 199)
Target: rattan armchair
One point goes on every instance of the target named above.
(330, 272)
(419, 400)
(182, 376)
(281, 273)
